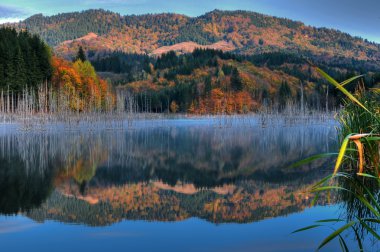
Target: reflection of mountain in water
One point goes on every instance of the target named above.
(236, 174)
(247, 202)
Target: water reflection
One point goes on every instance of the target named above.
(357, 189)
(168, 173)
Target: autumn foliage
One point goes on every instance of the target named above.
(224, 103)
(248, 32)
(80, 85)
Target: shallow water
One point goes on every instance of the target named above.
(169, 185)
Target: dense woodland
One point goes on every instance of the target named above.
(132, 66)
(24, 61)
(31, 79)
(212, 81)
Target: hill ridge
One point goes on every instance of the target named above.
(250, 33)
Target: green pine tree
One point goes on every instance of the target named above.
(81, 55)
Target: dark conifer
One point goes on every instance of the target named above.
(25, 60)
(81, 55)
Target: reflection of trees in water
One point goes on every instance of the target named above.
(211, 156)
(31, 163)
(38, 151)
(22, 189)
(203, 156)
(174, 154)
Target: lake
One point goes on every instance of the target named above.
(196, 184)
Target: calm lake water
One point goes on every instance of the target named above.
(173, 185)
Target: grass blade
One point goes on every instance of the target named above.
(350, 80)
(330, 220)
(371, 197)
(315, 199)
(359, 145)
(306, 228)
(360, 245)
(372, 220)
(367, 175)
(341, 88)
(328, 188)
(335, 234)
(343, 244)
(342, 151)
(311, 159)
(368, 205)
(373, 138)
(369, 229)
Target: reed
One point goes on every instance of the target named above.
(356, 174)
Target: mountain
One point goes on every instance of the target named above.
(223, 61)
(189, 47)
(248, 32)
(244, 203)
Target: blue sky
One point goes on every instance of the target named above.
(357, 17)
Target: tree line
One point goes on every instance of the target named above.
(24, 60)
(201, 80)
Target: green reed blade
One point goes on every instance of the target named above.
(350, 80)
(341, 88)
(342, 151)
(360, 245)
(335, 234)
(311, 159)
(306, 228)
(330, 220)
(369, 229)
(343, 244)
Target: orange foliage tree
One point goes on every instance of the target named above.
(79, 88)
(221, 102)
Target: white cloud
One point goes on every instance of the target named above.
(10, 20)
(9, 14)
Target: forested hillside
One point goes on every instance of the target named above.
(209, 81)
(249, 32)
